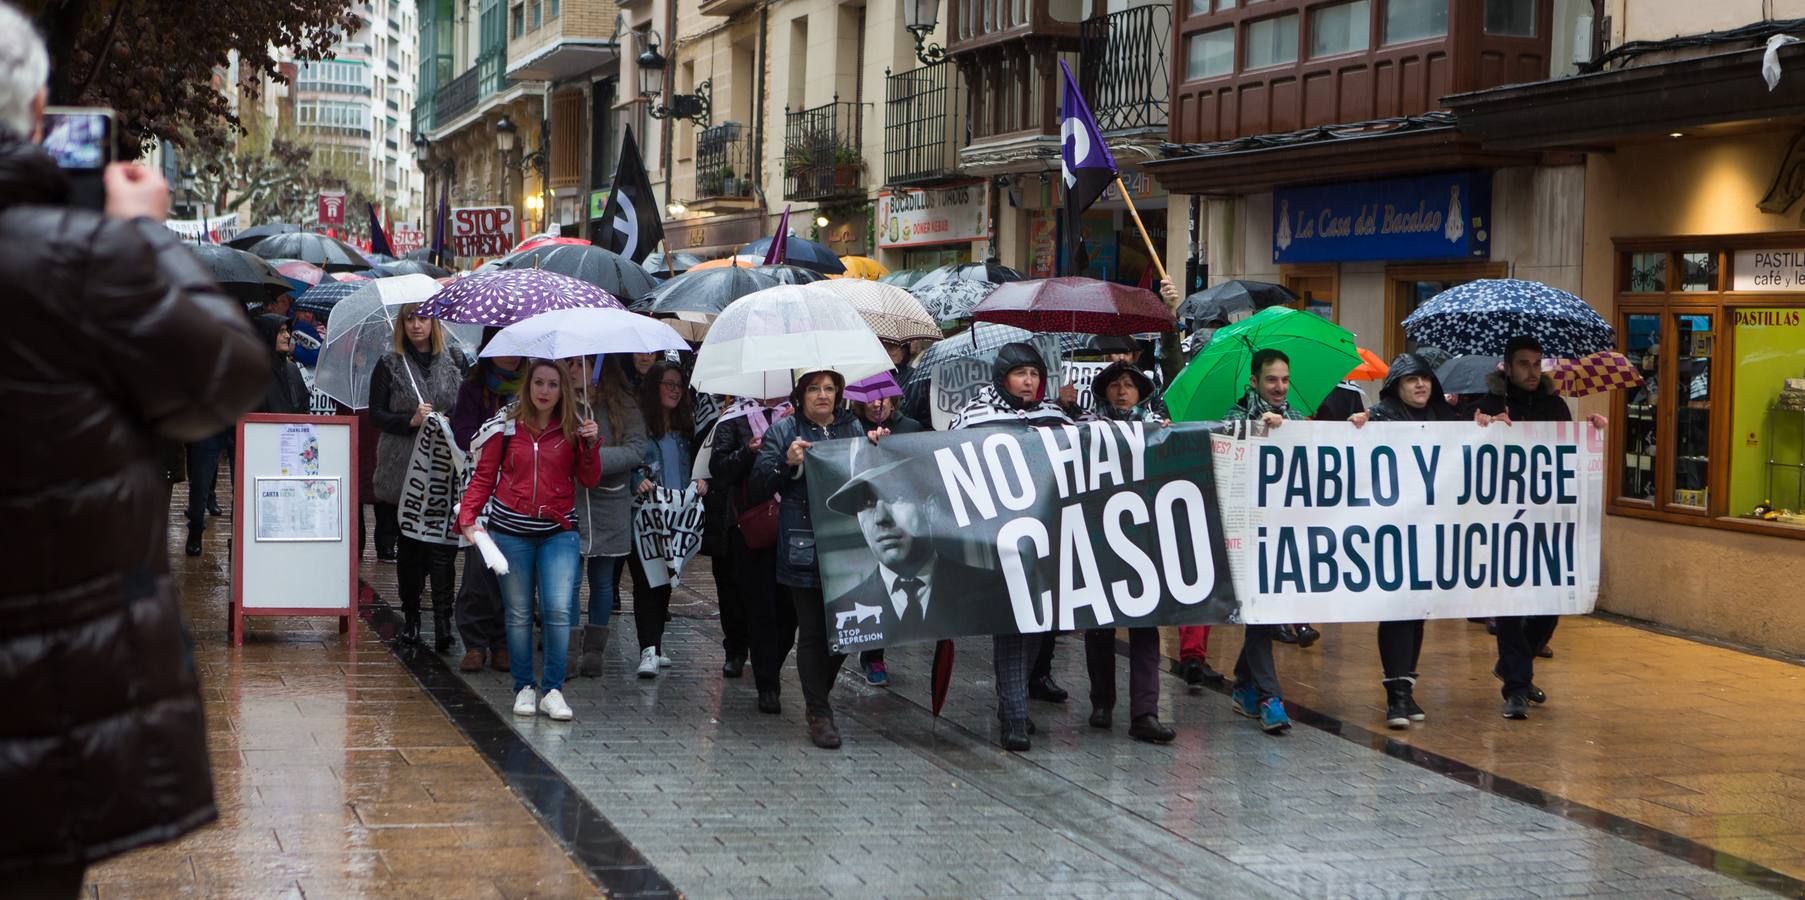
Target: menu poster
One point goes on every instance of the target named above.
(298, 509)
(298, 451)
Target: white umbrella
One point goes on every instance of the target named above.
(893, 313)
(583, 331)
(759, 343)
(362, 330)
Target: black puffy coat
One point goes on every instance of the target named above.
(116, 340)
(1392, 408)
(285, 392)
(1539, 405)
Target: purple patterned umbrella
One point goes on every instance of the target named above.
(507, 296)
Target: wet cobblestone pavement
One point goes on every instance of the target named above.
(359, 772)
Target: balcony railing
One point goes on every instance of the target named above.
(821, 152)
(723, 163)
(924, 123)
(1124, 70)
(455, 97)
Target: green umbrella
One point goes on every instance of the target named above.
(1321, 353)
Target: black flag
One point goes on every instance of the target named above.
(630, 223)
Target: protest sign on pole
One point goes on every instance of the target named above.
(1406, 520)
(1017, 530)
(482, 230)
(1080, 375)
(667, 532)
(432, 485)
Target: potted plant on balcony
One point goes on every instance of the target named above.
(847, 168)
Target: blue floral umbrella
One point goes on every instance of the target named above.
(1479, 317)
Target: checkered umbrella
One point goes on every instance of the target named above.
(506, 296)
(982, 341)
(951, 301)
(1593, 373)
(1479, 317)
(322, 297)
(891, 312)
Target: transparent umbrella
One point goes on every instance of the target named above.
(760, 341)
(362, 330)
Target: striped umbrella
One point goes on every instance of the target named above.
(891, 312)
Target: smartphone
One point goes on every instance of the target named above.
(82, 141)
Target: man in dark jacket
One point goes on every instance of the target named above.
(118, 341)
(1522, 393)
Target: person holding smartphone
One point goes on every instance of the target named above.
(119, 344)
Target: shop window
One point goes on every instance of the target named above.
(1415, 20)
(1641, 410)
(1210, 54)
(1341, 28)
(1648, 273)
(1317, 286)
(1272, 42)
(1767, 415)
(1698, 271)
(1511, 18)
(1694, 345)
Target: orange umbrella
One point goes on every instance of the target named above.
(725, 261)
(863, 267)
(1371, 367)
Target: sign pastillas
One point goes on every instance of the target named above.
(1329, 523)
(1017, 530)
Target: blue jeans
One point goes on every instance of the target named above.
(603, 572)
(548, 563)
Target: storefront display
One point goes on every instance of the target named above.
(1767, 415)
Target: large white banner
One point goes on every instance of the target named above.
(1325, 522)
(434, 483)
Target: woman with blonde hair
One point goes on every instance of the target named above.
(527, 490)
(418, 378)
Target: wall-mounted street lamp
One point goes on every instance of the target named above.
(506, 136)
(923, 16)
(694, 107)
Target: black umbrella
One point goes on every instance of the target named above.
(800, 252)
(244, 239)
(424, 254)
(790, 274)
(1230, 297)
(679, 262)
(708, 291)
(1466, 374)
(328, 253)
(413, 267)
(603, 268)
(989, 271)
(248, 277)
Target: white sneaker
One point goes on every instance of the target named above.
(664, 662)
(554, 706)
(526, 703)
(648, 663)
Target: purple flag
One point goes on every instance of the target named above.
(779, 242)
(379, 242)
(1086, 166)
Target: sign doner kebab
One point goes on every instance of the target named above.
(948, 215)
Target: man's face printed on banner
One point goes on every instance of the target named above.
(896, 530)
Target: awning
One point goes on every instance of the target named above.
(1722, 91)
(564, 59)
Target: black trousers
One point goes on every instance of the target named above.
(203, 471)
(419, 562)
(1255, 666)
(388, 529)
(1143, 669)
(651, 605)
(481, 623)
(736, 628)
(1043, 661)
(1400, 644)
(1519, 637)
(816, 668)
(770, 613)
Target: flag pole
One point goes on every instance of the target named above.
(1152, 254)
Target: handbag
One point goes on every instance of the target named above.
(758, 525)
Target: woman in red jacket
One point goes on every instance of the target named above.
(526, 490)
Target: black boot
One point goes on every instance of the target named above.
(1015, 735)
(193, 547)
(1397, 710)
(1150, 729)
(595, 641)
(1045, 688)
(1414, 711)
(441, 625)
(1101, 716)
(410, 624)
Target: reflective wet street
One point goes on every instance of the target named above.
(1659, 767)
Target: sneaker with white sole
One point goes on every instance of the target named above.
(664, 662)
(553, 705)
(526, 703)
(648, 663)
